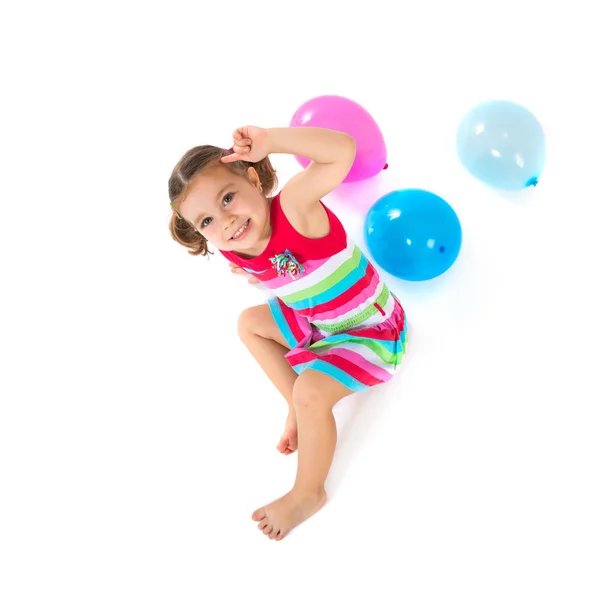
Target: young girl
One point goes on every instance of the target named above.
(333, 327)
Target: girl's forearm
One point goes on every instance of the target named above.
(319, 145)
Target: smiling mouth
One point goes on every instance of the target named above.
(240, 231)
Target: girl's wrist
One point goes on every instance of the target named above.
(272, 145)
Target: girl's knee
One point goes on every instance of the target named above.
(246, 324)
(259, 321)
(305, 395)
(314, 389)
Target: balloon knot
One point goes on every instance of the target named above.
(533, 181)
(385, 167)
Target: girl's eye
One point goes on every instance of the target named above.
(226, 200)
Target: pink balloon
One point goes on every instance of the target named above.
(342, 114)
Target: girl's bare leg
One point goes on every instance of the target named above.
(260, 334)
(314, 396)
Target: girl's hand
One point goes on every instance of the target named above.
(236, 269)
(249, 143)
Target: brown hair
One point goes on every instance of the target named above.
(191, 164)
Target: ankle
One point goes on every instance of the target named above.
(308, 491)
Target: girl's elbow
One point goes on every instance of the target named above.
(350, 145)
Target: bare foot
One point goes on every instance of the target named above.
(288, 442)
(278, 518)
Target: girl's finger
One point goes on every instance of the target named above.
(231, 158)
(241, 149)
(253, 280)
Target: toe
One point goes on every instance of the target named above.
(268, 529)
(279, 536)
(263, 524)
(258, 515)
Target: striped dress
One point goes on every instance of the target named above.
(330, 304)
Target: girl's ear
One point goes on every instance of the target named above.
(254, 178)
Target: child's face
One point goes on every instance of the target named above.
(229, 210)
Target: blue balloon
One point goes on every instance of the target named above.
(413, 234)
(502, 144)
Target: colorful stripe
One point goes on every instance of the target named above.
(340, 318)
(345, 302)
(358, 359)
(357, 318)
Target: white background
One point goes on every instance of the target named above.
(136, 433)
